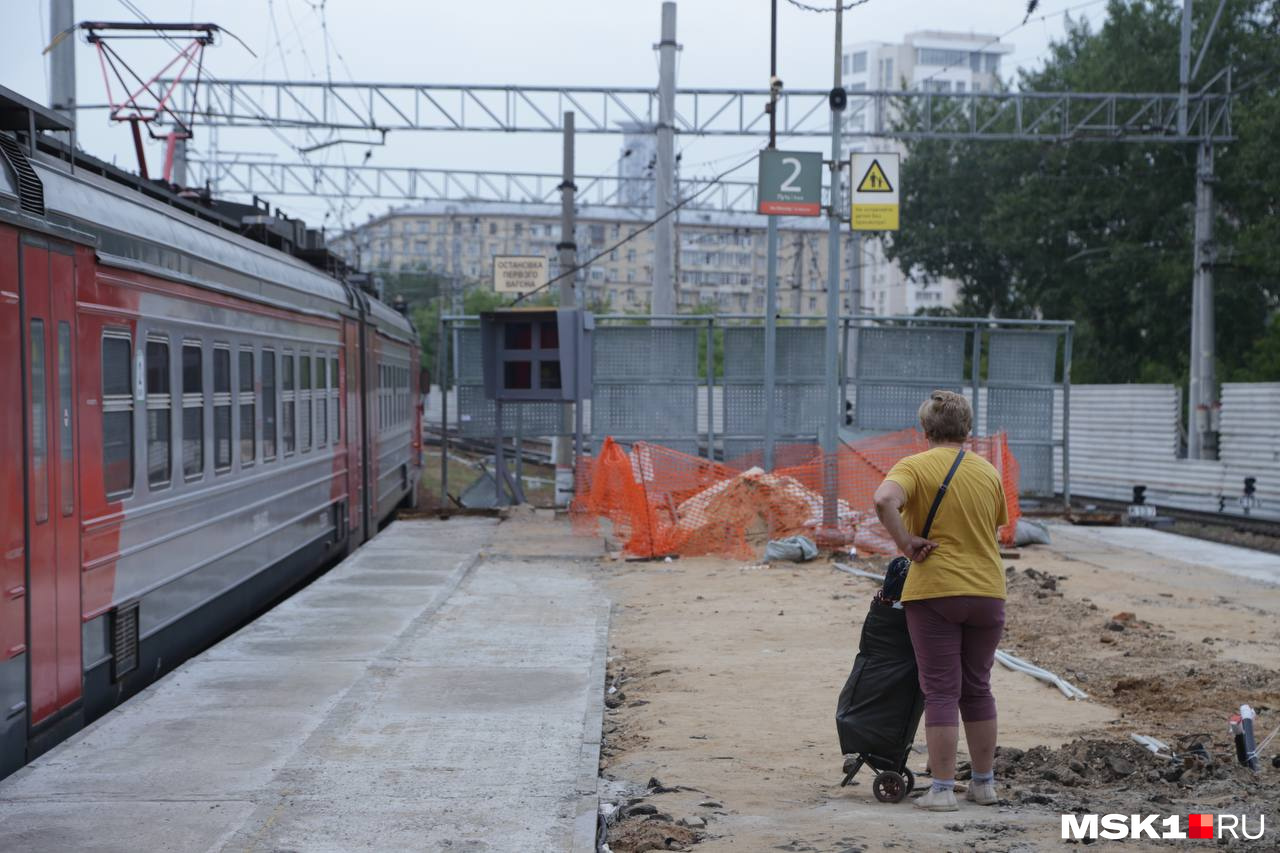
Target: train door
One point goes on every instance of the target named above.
(352, 407)
(52, 517)
(13, 530)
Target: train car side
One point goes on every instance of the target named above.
(196, 436)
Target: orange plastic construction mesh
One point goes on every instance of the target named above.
(661, 501)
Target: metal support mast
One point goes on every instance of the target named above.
(771, 260)
(62, 58)
(663, 302)
(1202, 393)
(561, 447)
(831, 350)
(1202, 413)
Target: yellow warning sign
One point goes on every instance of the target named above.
(875, 180)
(875, 195)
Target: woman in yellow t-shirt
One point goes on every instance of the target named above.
(954, 594)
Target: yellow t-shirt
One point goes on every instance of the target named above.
(967, 559)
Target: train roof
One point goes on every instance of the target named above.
(147, 226)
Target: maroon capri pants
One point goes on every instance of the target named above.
(955, 640)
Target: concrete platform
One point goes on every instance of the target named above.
(1258, 566)
(420, 696)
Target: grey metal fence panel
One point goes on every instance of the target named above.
(1025, 358)
(1021, 370)
(646, 384)
(1024, 413)
(476, 414)
(897, 367)
(1035, 466)
(798, 387)
(921, 353)
(893, 406)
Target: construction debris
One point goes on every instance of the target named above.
(797, 549)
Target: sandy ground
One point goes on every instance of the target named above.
(727, 676)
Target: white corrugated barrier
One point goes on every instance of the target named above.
(1127, 435)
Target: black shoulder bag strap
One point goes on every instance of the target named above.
(942, 492)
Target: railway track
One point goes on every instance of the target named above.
(536, 450)
(1239, 523)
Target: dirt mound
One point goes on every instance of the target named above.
(1165, 686)
(649, 832)
(1090, 772)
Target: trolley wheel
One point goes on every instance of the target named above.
(889, 787)
(910, 779)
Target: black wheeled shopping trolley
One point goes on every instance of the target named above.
(881, 703)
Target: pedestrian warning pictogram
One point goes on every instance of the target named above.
(874, 202)
(875, 180)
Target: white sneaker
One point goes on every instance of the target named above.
(937, 801)
(982, 793)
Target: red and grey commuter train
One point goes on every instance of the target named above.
(193, 424)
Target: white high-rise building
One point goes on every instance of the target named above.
(636, 163)
(925, 61)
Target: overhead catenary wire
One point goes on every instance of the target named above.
(844, 7)
(339, 211)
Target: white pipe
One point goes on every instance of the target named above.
(859, 572)
(1153, 744)
(1018, 664)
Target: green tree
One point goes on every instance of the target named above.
(1262, 364)
(1100, 232)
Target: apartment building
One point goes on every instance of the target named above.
(720, 261)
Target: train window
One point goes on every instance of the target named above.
(385, 394)
(221, 408)
(304, 404)
(246, 408)
(159, 414)
(66, 474)
(322, 403)
(336, 405)
(192, 410)
(288, 415)
(39, 424)
(117, 414)
(268, 405)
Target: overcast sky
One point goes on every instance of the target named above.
(567, 42)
